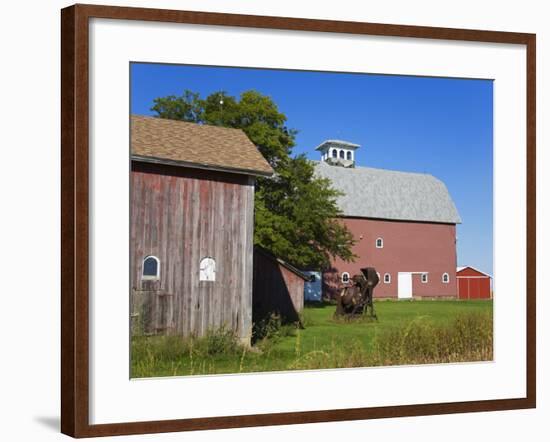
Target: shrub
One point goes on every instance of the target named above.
(217, 342)
(267, 332)
(266, 328)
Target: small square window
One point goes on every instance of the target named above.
(379, 243)
(424, 278)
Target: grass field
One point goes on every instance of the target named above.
(407, 332)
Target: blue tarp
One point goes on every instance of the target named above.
(313, 289)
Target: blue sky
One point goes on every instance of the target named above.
(440, 126)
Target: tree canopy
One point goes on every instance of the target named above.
(295, 211)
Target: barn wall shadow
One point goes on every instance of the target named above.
(271, 292)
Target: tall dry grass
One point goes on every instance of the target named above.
(468, 338)
(170, 352)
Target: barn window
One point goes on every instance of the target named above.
(445, 278)
(342, 154)
(387, 278)
(334, 153)
(379, 243)
(348, 156)
(207, 269)
(424, 278)
(151, 268)
(345, 277)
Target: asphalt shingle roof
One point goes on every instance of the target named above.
(392, 195)
(206, 146)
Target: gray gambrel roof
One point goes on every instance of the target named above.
(388, 194)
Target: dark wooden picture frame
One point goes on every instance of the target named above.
(75, 219)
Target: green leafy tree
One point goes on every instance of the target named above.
(295, 211)
(186, 107)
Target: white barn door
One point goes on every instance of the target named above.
(404, 285)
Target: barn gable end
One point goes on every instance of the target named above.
(193, 212)
(470, 271)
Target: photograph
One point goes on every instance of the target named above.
(307, 220)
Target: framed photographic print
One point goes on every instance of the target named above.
(269, 220)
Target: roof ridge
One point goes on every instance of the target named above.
(171, 120)
(376, 169)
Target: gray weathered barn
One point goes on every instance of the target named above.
(191, 227)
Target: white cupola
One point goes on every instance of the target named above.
(338, 152)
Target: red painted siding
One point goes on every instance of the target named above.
(407, 247)
(473, 284)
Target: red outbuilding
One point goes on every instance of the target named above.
(473, 283)
(278, 287)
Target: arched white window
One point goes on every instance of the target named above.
(342, 154)
(345, 277)
(379, 243)
(424, 278)
(150, 268)
(207, 269)
(348, 155)
(445, 278)
(334, 153)
(387, 278)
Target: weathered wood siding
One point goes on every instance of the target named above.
(180, 216)
(276, 289)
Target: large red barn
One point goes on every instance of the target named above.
(404, 225)
(473, 283)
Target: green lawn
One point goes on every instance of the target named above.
(406, 332)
